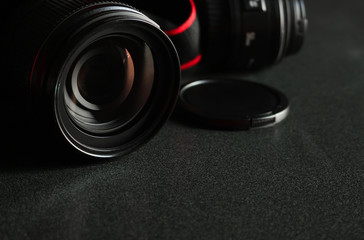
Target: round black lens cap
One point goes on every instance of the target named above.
(233, 104)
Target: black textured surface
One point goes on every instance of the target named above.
(303, 179)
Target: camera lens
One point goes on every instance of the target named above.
(250, 34)
(104, 73)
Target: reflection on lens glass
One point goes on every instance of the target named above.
(109, 84)
(101, 78)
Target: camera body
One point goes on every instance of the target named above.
(105, 75)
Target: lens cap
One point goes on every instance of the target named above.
(232, 104)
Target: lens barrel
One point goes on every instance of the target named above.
(105, 74)
(250, 34)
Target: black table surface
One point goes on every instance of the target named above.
(302, 179)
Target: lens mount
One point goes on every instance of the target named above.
(115, 78)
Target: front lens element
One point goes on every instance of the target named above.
(109, 83)
(102, 76)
